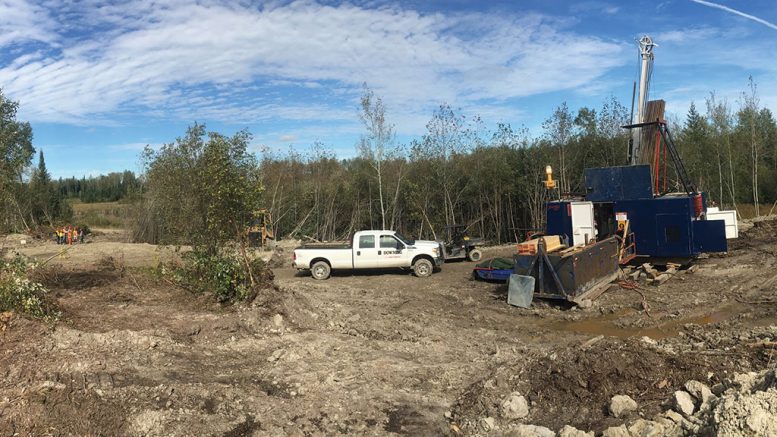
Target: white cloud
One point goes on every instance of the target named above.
(736, 12)
(21, 21)
(594, 7)
(686, 36)
(203, 60)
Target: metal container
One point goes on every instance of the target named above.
(582, 273)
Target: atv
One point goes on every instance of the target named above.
(460, 245)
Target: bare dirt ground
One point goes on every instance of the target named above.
(381, 353)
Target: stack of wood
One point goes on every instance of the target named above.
(552, 244)
(652, 275)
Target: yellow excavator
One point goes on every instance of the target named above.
(260, 230)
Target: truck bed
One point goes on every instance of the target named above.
(328, 245)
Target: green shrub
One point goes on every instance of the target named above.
(19, 293)
(222, 274)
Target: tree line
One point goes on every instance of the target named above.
(459, 171)
(112, 187)
(731, 152)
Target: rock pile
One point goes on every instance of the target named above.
(745, 405)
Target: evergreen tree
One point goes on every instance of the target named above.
(697, 151)
(41, 193)
(47, 203)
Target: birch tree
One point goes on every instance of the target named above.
(748, 123)
(374, 144)
(719, 116)
(558, 130)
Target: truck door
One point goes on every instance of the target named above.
(365, 254)
(391, 252)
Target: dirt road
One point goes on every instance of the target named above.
(371, 354)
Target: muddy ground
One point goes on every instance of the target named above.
(381, 353)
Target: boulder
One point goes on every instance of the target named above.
(616, 431)
(646, 428)
(571, 431)
(671, 428)
(488, 423)
(621, 405)
(683, 402)
(515, 407)
(675, 417)
(585, 304)
(701, 392)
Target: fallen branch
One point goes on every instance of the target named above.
(176, 284)
(590, 342)
(134, 281)
(764, 344)
(60, 253)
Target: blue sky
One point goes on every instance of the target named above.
(99, 80)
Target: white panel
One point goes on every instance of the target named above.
(582, 222)
(729, 217)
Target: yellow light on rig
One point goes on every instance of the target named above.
(549, 182)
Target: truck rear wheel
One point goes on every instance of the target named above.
(423, 268)
(320, 270)
(474, 255)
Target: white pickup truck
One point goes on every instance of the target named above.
(370, 250)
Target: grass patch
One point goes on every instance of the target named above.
(747, 210)
(103, 214)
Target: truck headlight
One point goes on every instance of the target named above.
(435, 251)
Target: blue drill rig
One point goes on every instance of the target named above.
(628, 214)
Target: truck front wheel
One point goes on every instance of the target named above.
(423, 268)
(320, 270)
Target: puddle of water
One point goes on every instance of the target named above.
(607, 325)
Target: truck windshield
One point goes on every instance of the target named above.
(403, 239)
